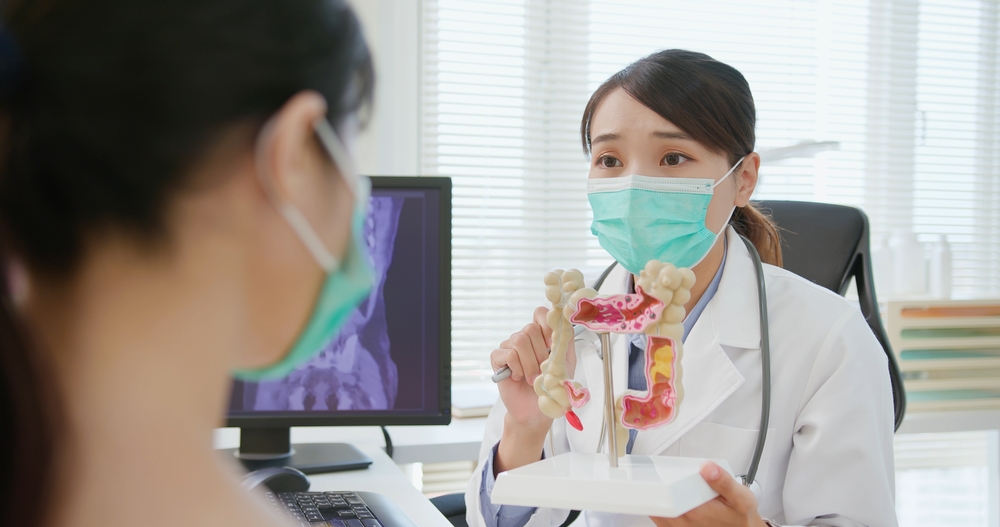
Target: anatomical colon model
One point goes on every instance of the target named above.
(656, 309)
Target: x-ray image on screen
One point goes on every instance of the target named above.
(355, 370)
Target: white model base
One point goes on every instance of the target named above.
(644, 485)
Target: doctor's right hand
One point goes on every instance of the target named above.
(524, 353)
(525, 426)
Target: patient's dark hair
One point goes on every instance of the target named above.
(106, 106)
(708, 100)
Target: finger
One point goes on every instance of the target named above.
(516, 368)
(712, 512)
(539, 318)
(498, 357)
(526, 355)
(680, 521)
(508, 358)
(736, 495)
(534, 333)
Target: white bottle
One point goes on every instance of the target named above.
(909, 265)
(940, 268)
(882, 269)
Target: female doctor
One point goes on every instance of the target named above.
(827, 459)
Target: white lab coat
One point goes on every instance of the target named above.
(828, 459)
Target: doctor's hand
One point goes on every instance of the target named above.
(525, 426)
(734, 506)
(524, 353)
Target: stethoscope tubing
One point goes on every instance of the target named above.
(765, 365)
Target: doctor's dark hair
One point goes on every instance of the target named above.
(107, 107)
(708, 100)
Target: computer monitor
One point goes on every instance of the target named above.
(391, 362)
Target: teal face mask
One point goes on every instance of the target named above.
(347, 282)
(640, 218)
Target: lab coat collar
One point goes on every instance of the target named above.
(732, 313)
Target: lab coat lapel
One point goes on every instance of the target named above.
(708, 376)
(733, 311)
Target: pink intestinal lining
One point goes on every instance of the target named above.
(618, 313)
(656, 407)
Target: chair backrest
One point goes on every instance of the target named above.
(829, 245)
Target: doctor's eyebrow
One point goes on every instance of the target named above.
(656, 134)
(670, 135)
(605, 137)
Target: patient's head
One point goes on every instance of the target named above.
(144, 132)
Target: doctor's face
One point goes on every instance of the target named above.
(629, 138)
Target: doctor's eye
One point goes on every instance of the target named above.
(674, 159)
(607, 161)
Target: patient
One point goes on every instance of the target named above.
(169, 215)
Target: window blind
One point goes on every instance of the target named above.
(910, 89)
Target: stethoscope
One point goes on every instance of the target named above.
(765, 365)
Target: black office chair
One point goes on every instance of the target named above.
(826, 244)
(829, 245)
(452, 506)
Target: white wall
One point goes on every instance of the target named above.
(390, 144)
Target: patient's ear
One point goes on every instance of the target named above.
(288, 157)
(747, 176)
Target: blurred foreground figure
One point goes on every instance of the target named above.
(177, 206)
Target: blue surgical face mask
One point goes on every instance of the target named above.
(639, 218)
(348, 281)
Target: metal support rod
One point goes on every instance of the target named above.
(609, 400)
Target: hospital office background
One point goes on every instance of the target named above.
(892, 106)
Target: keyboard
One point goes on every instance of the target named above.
(339, 509)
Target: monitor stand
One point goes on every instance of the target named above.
(272, 447)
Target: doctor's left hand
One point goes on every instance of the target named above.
(735, 504)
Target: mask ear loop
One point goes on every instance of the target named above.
(731, 211)
(335, 148)
(717, 183)
(289, 212)
(731, 170)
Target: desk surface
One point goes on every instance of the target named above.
(384, 477)
(459, 441)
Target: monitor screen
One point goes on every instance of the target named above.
(391, 362)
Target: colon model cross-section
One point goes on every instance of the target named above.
(657, 405)
(656, 309)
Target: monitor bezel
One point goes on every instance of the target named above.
(443, 415)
